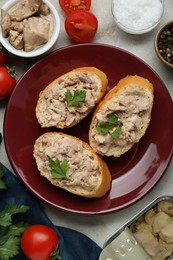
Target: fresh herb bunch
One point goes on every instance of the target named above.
(58, 170)
(112, 123)
(10, 233)
(75, 99)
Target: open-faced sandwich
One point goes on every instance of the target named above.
(71, 97)
(122, 117)
(71, 164)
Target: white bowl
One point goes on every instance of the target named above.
(43, 49)
(137, 17)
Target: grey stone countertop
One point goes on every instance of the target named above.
(101, 227)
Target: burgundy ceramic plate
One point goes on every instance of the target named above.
(134, 174)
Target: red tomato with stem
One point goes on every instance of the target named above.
(3, 55)
(40, 242)
(7, 81)
(69, 6)
(81, 26)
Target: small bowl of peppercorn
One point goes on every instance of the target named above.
(163, 44)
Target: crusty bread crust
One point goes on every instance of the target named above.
(42, 107)
(120, 89)
(102, 76)
(103, 176)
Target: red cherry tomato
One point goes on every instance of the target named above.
(69, 6)
(3, 55)
(7, 81)
(39, 242)
(81, 26)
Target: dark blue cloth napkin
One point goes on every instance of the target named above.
(73, 245)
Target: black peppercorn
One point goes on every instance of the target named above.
(165, 44)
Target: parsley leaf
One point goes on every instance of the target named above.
(10, 248)
(77, 99)
(104, 128)
(112, 123)
(116, 132)
(2, 183)
(112, 118)
(58, 170)
(12, 230)
(11, 234)
(5, 215)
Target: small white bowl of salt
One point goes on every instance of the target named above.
(137, 16)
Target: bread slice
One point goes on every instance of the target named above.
(52, 109)
(130, 103)
(87, 174)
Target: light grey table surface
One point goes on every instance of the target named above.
(101, 227)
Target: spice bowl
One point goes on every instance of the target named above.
(163, 44)
(137, 17)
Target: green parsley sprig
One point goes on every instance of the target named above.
(10, 233)
(112, 122)
(58, 170)
(76, 99)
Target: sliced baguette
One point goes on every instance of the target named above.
(131, 101)
(52, 108)
(88, 175)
